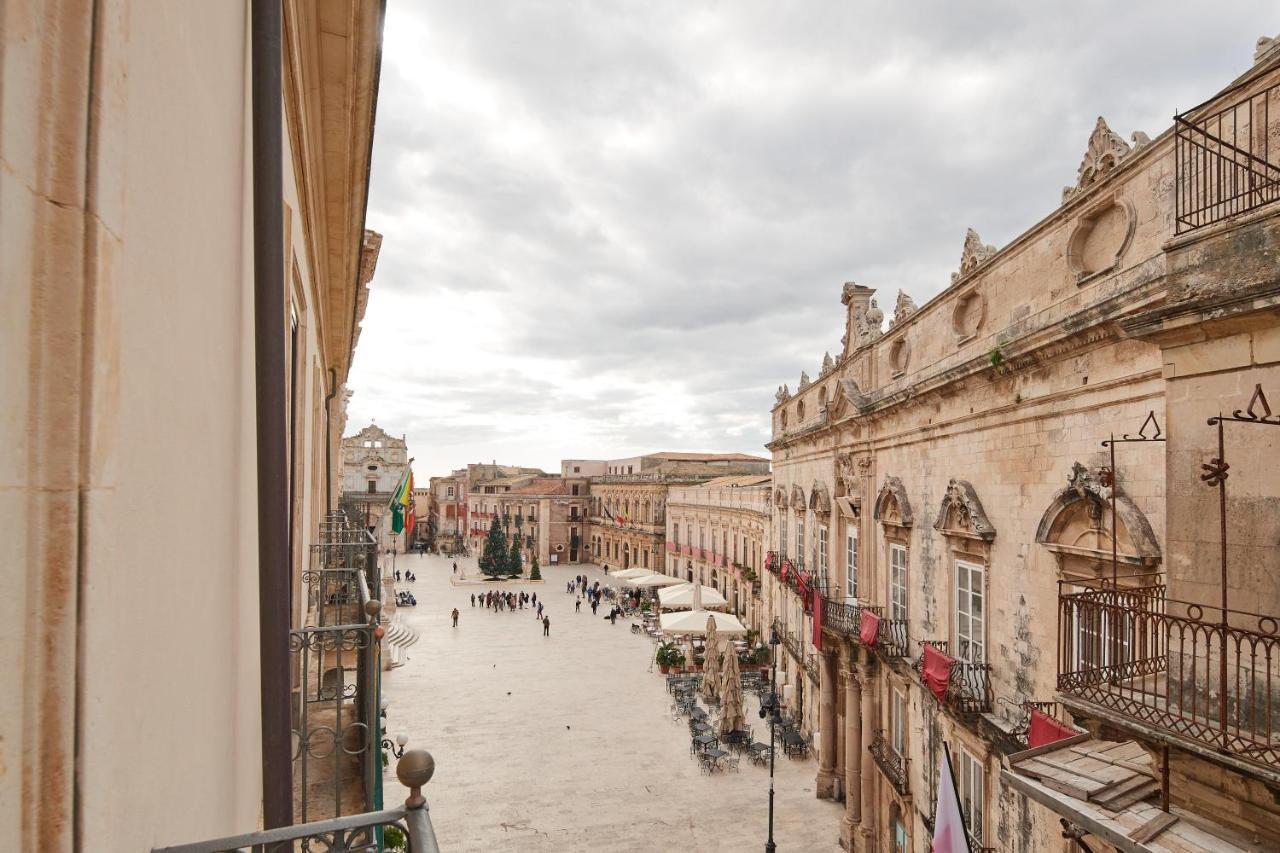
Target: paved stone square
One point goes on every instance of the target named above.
(566, 743)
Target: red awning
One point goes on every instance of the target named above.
(937, 671)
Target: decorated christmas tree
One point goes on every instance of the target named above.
(493, 557)
(513, 559)
(534, 573)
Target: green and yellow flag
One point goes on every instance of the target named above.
(400, 499)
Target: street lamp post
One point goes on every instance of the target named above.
(770, 706)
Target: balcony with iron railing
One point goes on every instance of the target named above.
(367, 832)
(969, 684)
(1201, 674)
(893, 640)
(1226, 160)
(891, 763)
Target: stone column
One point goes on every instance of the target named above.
(852, 758)
(869, 718)
(827, 727)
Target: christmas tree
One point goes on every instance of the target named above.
(493, 558)
(513, 559)
(534, 574)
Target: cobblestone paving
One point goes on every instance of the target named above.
(566, 743)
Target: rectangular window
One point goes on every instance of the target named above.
(822, 550)
(702, 535)
(971, 794)
(576, 470)
(373, 486)
(451, 491)
(897, 582)
(970, 614)
(851, 563)
(675, 533)
(782, 534)
(800, 537)
(898, 722)
(574, 489)
(573, 513)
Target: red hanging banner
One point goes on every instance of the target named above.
(1045, 729)
(817, 619)
(869, 629)
(937, 671)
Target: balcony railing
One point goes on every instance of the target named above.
(1225, 160)
(893, 641)
(360, 833)
(969, 684)
(1195, 671)
(891, 763)
(843, 618)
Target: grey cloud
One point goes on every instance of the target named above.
(669, 193)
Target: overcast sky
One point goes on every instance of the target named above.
(617, 227)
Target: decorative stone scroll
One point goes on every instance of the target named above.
(892, 505)
(902, 309)
(1100, 237)
(961, 513)
(974, 254)
(780, 497)
(1105, 151)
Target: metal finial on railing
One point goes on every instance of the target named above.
(414, 770)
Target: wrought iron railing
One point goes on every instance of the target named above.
(1226, 161)
(892, 641)
(841, 617)
(891, 763)
(335, 716)
(969, 683)
(361, 833)
(1197, 671)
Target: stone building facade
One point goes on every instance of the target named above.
(133, 644)
(373, 462)
(943, 483)
(718, 534)
(449, 509)
(548, 513)
(628, 503)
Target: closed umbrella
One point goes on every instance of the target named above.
(733, 713)
(711, 663)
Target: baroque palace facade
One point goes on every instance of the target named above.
(945, 510)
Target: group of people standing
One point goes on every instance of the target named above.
(496, 600)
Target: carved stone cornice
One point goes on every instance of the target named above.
(962, 514)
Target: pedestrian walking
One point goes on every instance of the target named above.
(546, 626)
(594, 604)
(455, 617)
(577, 606)
(473, 599)
(455, 567)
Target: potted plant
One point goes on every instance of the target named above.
(668, 655)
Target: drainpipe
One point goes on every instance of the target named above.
(328, 442)
(269, 380)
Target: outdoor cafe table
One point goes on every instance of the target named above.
(738, 737)
(712, 757)
(793, 743)
(705, 741)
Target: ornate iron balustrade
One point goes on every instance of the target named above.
(361, 833)
(968, 685)
(335, 719)
(811, 667)
(1175, 665)
(792, 644)
(892, 640)
(1225, 163)
(843, 618)
(891, 763)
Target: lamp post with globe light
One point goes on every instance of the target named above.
(770, 707)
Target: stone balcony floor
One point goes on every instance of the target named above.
(565, 743)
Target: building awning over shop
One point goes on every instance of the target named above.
(1110, 790)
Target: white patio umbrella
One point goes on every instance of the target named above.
(651, 581)
(627, 574)
(711, 664)
(695, 622)
(681, 597)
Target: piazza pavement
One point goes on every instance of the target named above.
(566, 743)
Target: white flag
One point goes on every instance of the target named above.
(949, 835)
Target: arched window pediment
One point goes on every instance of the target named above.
(798, 501)
(961, 513)
(892, 505)
(819, 497)
(1077, 523)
